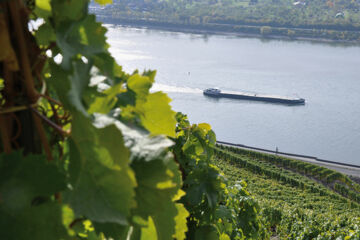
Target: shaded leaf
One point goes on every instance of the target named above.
(22, 179)
(41, 222)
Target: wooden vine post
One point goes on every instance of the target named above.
(21, 64)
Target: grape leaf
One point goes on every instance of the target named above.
(157, 176)
(181, 223)
(45, 34)
(112, 230)
(42, 8)
(85, 37)
(149, 232)
(206, 232)
(157, 115)
(140, 85)
(68, 11)
(41, 222)
(108, 67)
(204, 183)
(104, 2)
(106, 103)
(141, 144)
(72, 86)
(103, 186)
(22, 179)
(156, 187)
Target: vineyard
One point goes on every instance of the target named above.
(270, 164)
(293, 206)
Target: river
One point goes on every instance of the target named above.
(327, 76)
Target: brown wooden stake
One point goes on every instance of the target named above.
(5, 122)
(23, 51)
(26, 69)
(42, 135)
(5, 138)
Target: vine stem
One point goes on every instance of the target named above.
(49, 122)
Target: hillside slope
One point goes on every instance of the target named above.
(327, 19)
(293, 206)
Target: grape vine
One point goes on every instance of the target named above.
(88, 152)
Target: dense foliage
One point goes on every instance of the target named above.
(88, 152)
(332, 19)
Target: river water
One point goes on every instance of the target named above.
(327, 76)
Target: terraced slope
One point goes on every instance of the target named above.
(294, 206)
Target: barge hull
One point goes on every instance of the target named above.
(257, 98)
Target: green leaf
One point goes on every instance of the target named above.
(103, 183)
(45, 34)
(158, 179)
(43, 8)
(112, 230)
(140, 85)
(68, 11)
(224, 237)
(107, 103)
(205, 184)
(23, 179)
(181, 222)
(206, 232)
(149, 232)
(104, 2)
(108, 67)
(157, 186)
(41, 222)
(85, 37)
(157, 115)
(157, 176)
(141, 144)
(72, 86)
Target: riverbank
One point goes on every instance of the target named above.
(264, 32)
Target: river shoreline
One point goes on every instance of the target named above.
(216, 30)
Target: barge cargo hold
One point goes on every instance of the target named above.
(217, 93)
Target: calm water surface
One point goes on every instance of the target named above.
(327, 76)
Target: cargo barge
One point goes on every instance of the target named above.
(217, 93)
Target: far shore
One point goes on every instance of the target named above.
(206, 30)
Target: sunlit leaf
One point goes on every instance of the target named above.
(104, 2)
(158, 117)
